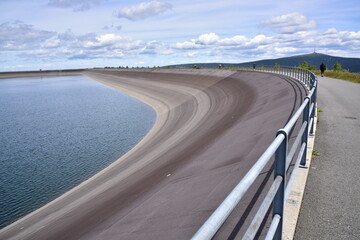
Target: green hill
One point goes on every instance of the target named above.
(352, 64)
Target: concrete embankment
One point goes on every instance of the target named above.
(45, 73)
(211, 127)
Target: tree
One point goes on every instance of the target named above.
(337, 67)
(307, 66)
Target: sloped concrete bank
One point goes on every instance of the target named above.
(211, 127)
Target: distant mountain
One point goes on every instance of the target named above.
(352, 64)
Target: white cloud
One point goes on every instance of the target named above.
(289, 23)
(209, 38)
(104, 41)
(52, 42)
(334, 39)
(261, 39)
(76, 5)
(156, 48)
(344, 35)
(212, 40)
(18, 36)
(143, 10)
(192, 54)
(200, 42)
(30, 43)
(187, 45)
(112, 26)
(108, 46)
(235, 40)
(267, 46)
(285, 49)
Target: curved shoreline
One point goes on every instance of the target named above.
(195, 111)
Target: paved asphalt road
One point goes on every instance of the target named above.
(331, 205)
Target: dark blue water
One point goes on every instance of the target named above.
(56, 132)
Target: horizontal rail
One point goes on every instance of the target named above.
(311, 108)
(311, 121)
(279, 189)
(255, 224)
(293, 175)
(303, 75)
(295, 145)
(274, 225)
(214, 222)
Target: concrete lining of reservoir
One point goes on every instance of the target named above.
(211, 126)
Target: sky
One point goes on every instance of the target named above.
(65, 34)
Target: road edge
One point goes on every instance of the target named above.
(293, 203)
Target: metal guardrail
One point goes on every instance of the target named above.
(280, 188)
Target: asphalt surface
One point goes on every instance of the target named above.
(331, 204)
(211, 127)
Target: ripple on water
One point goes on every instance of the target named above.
(57, 132)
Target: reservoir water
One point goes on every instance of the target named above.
(56, 132)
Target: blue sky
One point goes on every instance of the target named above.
(56, 34)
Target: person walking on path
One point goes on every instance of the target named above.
(322, 69)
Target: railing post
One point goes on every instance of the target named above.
(314, 78)
(280, 169)
(316, 86)
(299, 73)
(312, 115)
(303, 76)
(305, 134)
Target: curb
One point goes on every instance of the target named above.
(293, 203)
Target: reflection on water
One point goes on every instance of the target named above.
(58, 131)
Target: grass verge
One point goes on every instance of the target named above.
(315, 153)
(348, 76)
